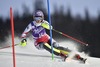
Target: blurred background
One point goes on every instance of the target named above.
(77, 18)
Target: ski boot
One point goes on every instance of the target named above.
(63, 56)
(83, 60)
(80, 58)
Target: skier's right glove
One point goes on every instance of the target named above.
(23, 42)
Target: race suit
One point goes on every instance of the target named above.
(40, 37)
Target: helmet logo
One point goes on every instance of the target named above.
(38, 13)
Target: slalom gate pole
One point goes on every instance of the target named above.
(70, 37)
(12, 31)
(49, 18)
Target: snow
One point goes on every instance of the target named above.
(29, 56)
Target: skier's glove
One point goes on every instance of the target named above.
(23, 42)
(46, 25)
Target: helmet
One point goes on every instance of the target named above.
(38, 14)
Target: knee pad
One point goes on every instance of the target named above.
(55, 44)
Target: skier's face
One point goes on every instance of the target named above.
(38, 19)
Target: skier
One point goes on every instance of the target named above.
(42, 39)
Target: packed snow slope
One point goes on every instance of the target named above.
(29, 56)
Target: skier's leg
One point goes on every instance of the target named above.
(55, 51)
(48, 48)
(63, 51)
(56, 45)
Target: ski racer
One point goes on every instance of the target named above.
(42, 39)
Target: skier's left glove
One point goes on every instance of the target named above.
(23, 42)
(46, 25)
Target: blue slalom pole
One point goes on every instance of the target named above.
(49, 19)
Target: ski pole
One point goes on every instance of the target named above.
(8, 46)
(70, 37)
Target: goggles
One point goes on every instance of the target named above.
(37, 18)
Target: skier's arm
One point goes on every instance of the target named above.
(26, 31)
(46, 25)
(23, 36)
